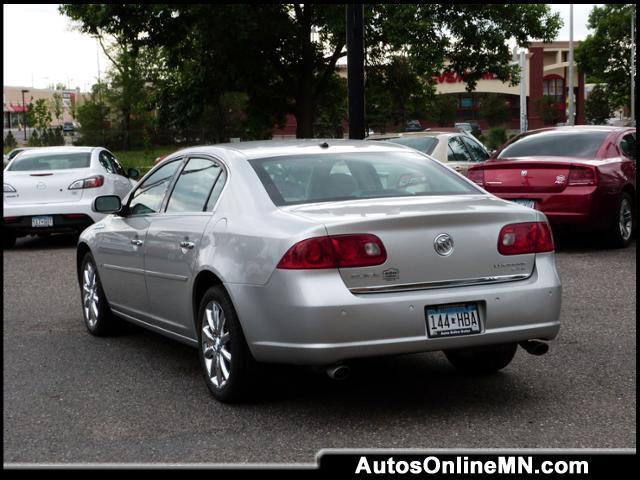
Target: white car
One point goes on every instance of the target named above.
(455, 148)
(51, 189)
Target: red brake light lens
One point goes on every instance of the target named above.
(91, 182)
(522, 238)
(476, 175)
(582, 176)
(337, 251)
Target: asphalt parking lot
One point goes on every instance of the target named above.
(138, 397)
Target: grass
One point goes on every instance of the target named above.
(142, 159)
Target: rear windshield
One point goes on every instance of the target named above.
(50, 161)
(325, 178)
(556, 144)
(422, 144)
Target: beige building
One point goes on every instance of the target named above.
(13, 107)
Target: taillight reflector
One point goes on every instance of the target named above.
(335, 251)
(476, 175)
(91, 182)
(581, 176)
(522, 238)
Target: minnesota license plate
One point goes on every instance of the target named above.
(525, 202)
(42, 221)
(452, 320)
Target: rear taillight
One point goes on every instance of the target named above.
(336, 251)
(10, 219)
(521, 238)
(91, 182)
(476, 175)
(581, 176)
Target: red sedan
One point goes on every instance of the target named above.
(580, 177)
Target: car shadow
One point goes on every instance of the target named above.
(416, 384)
(582, 242)
(47, 241)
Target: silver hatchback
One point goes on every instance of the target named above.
(316, 252)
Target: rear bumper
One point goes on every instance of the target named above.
(67, 217)
(574, 206)
(311, 318)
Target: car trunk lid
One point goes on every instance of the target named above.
(409, 228)
(45, 186)
(523, 175)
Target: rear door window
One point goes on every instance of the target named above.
(628, 146)
(457, 151)
(477, 151)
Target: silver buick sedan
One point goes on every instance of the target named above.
(316, 252)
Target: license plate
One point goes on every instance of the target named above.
(525, 202)
(452, 320)
(43, 221)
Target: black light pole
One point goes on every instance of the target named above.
(24, 114)
(355, 69)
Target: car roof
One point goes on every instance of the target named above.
(425, 133)
(583, 128)
(275, 148)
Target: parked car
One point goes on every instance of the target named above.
(51, 189)
(413, 126)
(12, 154)
(68, 127)
(475, 128)
(450, 146)
(465, 127)
(315, 253)
(580, 177)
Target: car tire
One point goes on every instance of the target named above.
(480, 360)
(8, 240)
(96, 313)
(227, 363)
(623, 224)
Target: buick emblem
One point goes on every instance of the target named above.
(443, 244)
(524, 173)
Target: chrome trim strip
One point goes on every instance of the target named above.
(407, 287)
(118, 268)
(139, 271)
(168, 276)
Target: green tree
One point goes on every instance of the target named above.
(597, 107)
(93, 117)
(288, 66)
(442, 110)
(395, 93)
(494, 109)
(605, 55)
(57, 105)
(548, 111)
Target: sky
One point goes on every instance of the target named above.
(41, 48)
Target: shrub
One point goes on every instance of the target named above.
(597, 107)
(496, 137)
(494, 109)
(10, 141)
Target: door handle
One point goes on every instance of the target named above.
(187, 245)
(136, 242)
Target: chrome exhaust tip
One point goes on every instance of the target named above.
(338, 372)
(535, 347)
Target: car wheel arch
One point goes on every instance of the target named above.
(204, 280)
(81, 251)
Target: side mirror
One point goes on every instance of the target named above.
(107, 204)
(133, 173)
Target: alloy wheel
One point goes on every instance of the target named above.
(90, 298)
(216, 346)
(625, 219)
